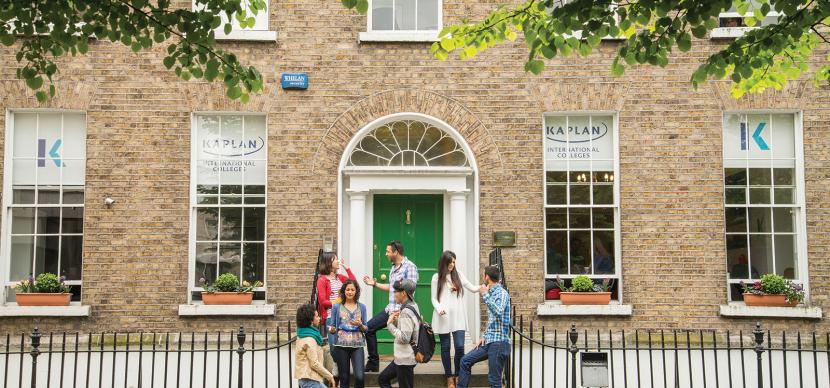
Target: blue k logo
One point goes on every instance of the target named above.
(53, 153)
(756, 136)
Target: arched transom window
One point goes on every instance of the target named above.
(408, 143)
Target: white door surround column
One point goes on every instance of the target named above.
(357, 230)
(458, 227)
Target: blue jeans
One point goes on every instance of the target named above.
(309, 383)
(376, 323)
(496, 354)
(458, 344)
(345, 356)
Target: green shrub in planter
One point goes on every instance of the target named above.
(582, 283)
(227, 282)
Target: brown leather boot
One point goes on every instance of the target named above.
(450, 382)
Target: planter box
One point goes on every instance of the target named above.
(43, 299)
(778, 300)
(574, 298)
(231, 298)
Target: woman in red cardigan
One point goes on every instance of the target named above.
(329, 283)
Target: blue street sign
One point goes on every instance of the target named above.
(294, 81)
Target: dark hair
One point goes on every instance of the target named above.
(305, 315)
(443, 268)
(492, 272)
(343, 290)
(396, 246)
(327, 262)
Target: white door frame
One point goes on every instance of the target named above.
(356, 187)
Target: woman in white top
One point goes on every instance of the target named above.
(450, 316)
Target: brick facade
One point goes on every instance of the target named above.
(671, 165)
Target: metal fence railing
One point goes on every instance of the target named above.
(662, 359)
(220, 359)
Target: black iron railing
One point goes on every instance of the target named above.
(234, 359)
(667, 358)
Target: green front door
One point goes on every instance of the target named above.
(417, 222)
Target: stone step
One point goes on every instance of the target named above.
(431, 375)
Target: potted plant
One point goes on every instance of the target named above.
(45, 290)
(773, 291)
(228, 290)
(583, 290)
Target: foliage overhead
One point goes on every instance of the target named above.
(44, 30)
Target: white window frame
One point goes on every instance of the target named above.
(192, 206)
(372, 35)
(618, 273)
(5, 238)
(800, 199)
(262, 33)
(736, 32)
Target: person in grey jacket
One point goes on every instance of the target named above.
(403, 325)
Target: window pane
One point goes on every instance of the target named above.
(758, 149)
(71, 255)
(603, 176)
(46, 254)
(556, 252)
(25, 135)
(428, 14)
(737, 259)
(22, 251)
(405, 15)
(556, 218)
(734, 142)
(73, 195)
(784, 219)
(73, 220)
(759, 220)
(786, 256)
(231, 223)
(784, 196)
(74, 136)
(382, 14)
(231, 199)
(230, 258)
(734, 177)
(603, 194)
(557, 194)
(23, 195)
(760, 177)
(580, 218)
(48, 196)
(736, 196)
(230, 189)
(759, 196)
(254, 200)
(580, 252)
(603, 217)
(604, 252)
(207, 228)
(783, 136)
(23, 172)
(254, 189)
(760, 253)
(206, 258)
(23, 220)
(556, 177)
(783, 176)
(580, 194)
(254, 224)
(735, 220)
(254, 260)
(48, 220)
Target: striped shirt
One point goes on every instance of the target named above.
(407, 270)
(497, 301)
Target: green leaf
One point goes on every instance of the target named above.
(234, 92)
(684, 42)
(447, 44)
(617, 69)
(362, 6)
(244, 98)
(34, 82)
(228, 28)
(41, 96)
(584, 49)
(7, 39)
(168, 62)
(534, 66)
(699, 31)
(470, 51)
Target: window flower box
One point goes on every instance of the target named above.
(577, 298)
(775, 300)
(46, 290)
(227, 290)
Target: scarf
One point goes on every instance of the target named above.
(304, 332)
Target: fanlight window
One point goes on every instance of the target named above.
(408, 144)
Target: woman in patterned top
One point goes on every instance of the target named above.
(349, 326)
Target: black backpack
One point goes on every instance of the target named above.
(425, 347)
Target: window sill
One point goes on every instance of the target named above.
(73, 310)
(397, 36)
(739, 309)
(555, 308)
(729, 32)
(194, 310)
(245, 35)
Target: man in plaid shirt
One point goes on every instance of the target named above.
(401, 269)
(494, 346)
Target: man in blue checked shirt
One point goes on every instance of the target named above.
(495, 344)
(401, 269)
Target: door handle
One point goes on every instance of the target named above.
(408, 217)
